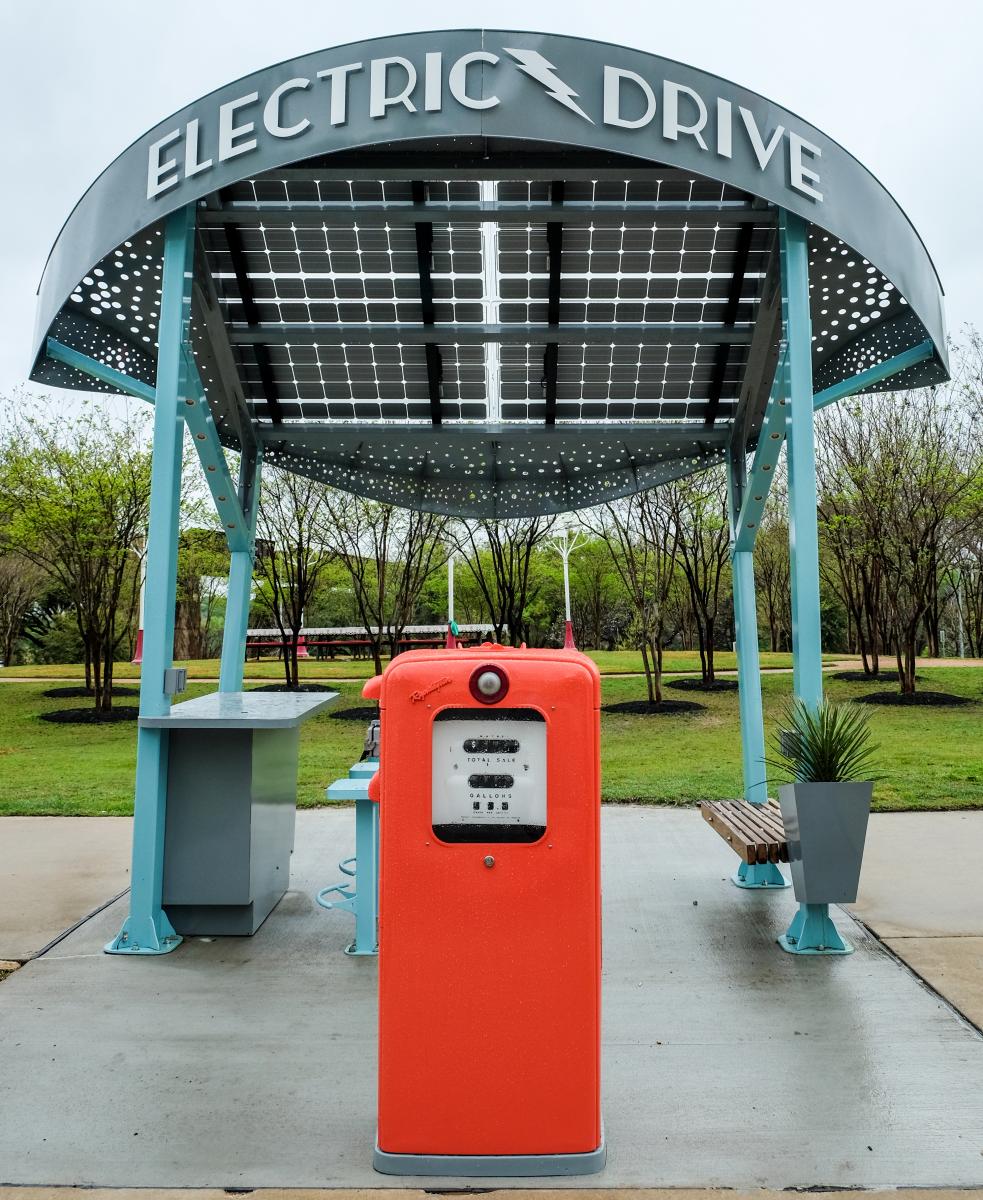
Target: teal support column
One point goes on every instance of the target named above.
(147, 930)
(240, 581)
(811, 931)
(753, 875)
(807, 659)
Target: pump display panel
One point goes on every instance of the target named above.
(489, 775)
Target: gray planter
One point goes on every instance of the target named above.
(825, 827)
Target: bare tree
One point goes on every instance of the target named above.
(389, 554)
(21, 586)
(75, 496)
(699, 506)
(291, 522)
(499, 556)
(598, 596)
(202, 568)
(851, 531)
(642, 538)
(772, 572)
(902, 488)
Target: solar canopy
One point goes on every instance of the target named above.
(494, 325)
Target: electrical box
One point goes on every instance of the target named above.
(489, 930)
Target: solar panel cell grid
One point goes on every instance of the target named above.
(650, 269)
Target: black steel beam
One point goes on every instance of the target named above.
(251, 313)
(741, 256)
(550, 364)
(502, 213)
(554, 249)
(463, 161)
(424, 262)
(681, 437)
(476, 334)
(209, 321)
(435, 376)
(762, 359)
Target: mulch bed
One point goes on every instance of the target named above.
(697, 685)
(91, 715)
(933, 699)
(355, 714)
(304, 687)
(862, 677)
(642, 708)
(81, 693)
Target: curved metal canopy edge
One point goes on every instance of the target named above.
(488, 230)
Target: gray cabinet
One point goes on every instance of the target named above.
(231, 803)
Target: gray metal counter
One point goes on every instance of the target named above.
(231, 805)
(243, 710)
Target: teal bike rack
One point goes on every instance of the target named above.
(361, 896)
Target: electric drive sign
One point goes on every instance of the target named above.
(414, 88)
(560, 107)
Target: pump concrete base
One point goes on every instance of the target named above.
(489, 1166)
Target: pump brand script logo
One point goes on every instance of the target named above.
(434, 83)
(423, 693)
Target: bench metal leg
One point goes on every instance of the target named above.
(367, 882)
(812, 932)
(360, 898)
(760, 875)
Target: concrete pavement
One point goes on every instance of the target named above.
(243, 1063)
(42, 1193)
(922, 894)
(55, 870)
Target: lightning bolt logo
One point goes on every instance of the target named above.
(532, 63)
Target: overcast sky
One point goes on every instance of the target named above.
(898, 83)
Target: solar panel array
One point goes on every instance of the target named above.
(311, 318)
(363, 272)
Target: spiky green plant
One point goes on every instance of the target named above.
(830, 744)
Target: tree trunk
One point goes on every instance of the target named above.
(94, 650)
(906, 652)
(377, 655)
(709, 675)
(286, 658)
(646, 664)
(294, 663)
(657, 673)
(701, 639)
(107, 678)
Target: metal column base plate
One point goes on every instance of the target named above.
(759, 875)
(509, 1166)
(145, 935)
(812, 932)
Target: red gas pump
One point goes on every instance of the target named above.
(490, 913)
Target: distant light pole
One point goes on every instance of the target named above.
(565, 544)
(451, 642)
(137, 658)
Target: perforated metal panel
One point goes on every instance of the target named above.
(374, 307)
(500, 471)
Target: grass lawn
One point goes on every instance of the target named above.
(929, 757)
(610, 662)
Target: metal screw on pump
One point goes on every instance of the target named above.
(489, 860)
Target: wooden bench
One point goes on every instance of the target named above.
(755, 832)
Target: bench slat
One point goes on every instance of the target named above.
(755, 832)
(738, 842)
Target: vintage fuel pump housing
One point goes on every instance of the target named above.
(490, 913)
